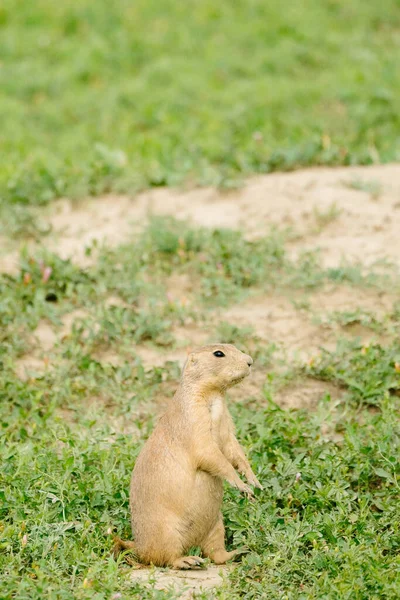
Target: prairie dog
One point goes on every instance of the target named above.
(177, 482)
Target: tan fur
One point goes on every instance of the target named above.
(177, 483)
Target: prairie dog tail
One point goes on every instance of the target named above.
(120, 546)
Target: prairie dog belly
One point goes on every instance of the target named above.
(204, 507)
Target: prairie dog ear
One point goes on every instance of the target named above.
(192, 359)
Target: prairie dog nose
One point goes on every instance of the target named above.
(249, 360)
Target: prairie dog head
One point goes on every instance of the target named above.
(217, 366)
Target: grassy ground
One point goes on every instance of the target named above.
(118, 96)
(327, 524)
(98, 97)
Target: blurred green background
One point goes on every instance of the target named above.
(100, 96)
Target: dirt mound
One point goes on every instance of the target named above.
(347, 212)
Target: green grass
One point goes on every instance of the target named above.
(333, 532)
(100, 97)
(70, 434)
(119, 96)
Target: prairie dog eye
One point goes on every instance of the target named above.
(219, 354)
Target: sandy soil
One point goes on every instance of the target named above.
(351, 212)
(184, 583)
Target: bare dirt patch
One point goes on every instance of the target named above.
(180, 288)
(191, 334)
(351, 213)
(306, 394)
(36, 362)
(365, 227)
(43, 341)
(153, 356)
(69, 319)
(9, 260)
(341, 298)
(45, 335)
(185, 584)
(276, 320)
(30, 366)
